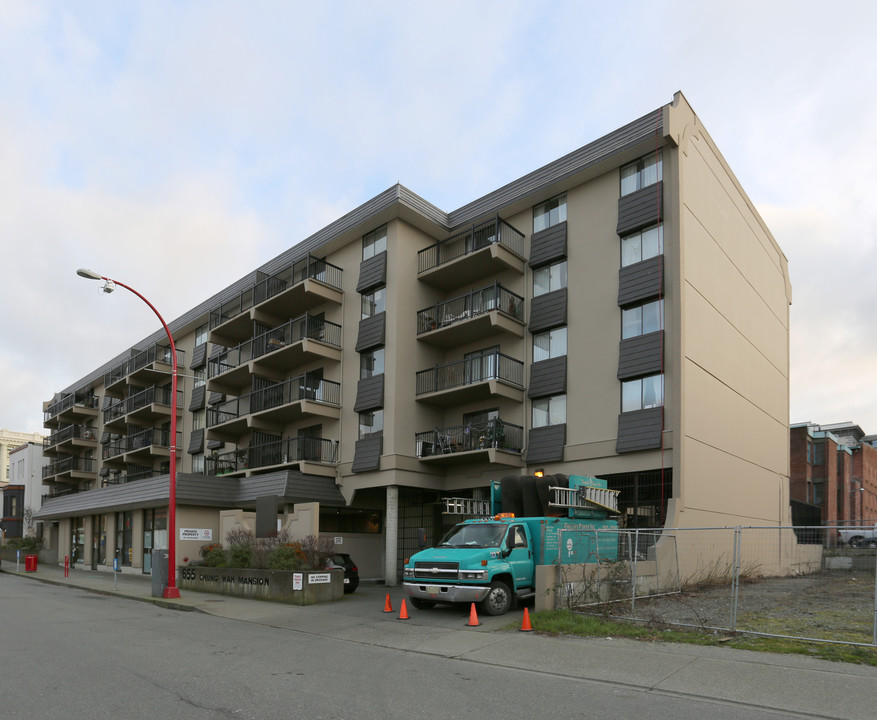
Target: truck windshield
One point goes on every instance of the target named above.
(474, 536)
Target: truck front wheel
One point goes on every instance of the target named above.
(498, 599)
(422, 604)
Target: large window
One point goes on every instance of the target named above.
(374, 243)
(549, 344)
(549, 213)
(201, 334)
(643, 245)
(549, 411)
(641, 173)
(642, 393)
(371, 424)
(371, 363)
(374, 303)
(642, 319)
(549, 278)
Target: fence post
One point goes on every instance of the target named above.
(874, 632)
(633, 573)
(735, 581)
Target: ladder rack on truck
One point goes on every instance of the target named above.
(584, 497)
(467, 506)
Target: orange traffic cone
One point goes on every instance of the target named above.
(525, 626)
(388, 607)
(473, 617)
(403, 612)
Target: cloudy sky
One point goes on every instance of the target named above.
(135, 136)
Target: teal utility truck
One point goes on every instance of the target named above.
(528, 521)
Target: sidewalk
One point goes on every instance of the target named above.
(799, 685)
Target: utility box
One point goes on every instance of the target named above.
(30, 563)
(159, 572)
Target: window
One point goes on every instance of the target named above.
(642, 245)
(201, 335)
(374, 243)
(549, 278)
(642, 319)
(371, 363)
(549, 213)
(197, 463)
(200, 376)
(371, 424)
(480, 364)
(198, 419)
(374, 303)
(549, 411)
(642, 393)
(550, 344)
(643, 172)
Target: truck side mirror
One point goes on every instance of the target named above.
(421, 538)
(506, 551)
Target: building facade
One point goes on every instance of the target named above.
(621, 312)
(833, 474)
(23, 496)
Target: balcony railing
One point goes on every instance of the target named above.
(69, 432)
(139, 440)
(144, 358)
(474, 303)
(70, 464)
(470, 240)
(140, 399)
(82, 399)
(473, 436)
(279, 452)
(494, 366)
(303, 387)
(232, 308)
(303, 327)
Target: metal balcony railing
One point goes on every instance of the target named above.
(70, 464)
(304, 327)
(472, 436)
(157, 353)
(474, 303)
(81, 398)
(279, 452)
(303, 387)
(142, 398)
(68, 432)
(493, 366)
(470, 240)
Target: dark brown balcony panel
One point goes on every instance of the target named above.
(548, 311)
(372, 333)
(641, 355)
(199, 357)
(547, 377)
(478, 251)
(546, 444)
(641, 281)
(548, 246)
(196, 442)
(198, 401)
(372, 273)
(367, 455)
(640, 209)
(369, 394)
(639, 430)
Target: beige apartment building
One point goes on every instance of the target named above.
(622, 312)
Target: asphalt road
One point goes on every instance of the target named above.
(70, 654)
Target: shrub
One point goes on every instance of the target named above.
(240, 548)
(213, 555)
(288, 556)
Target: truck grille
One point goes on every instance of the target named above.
(436, 570)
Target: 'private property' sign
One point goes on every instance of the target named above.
(195, 534)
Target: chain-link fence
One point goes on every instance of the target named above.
(798, 582)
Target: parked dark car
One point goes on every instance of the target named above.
(343, 562)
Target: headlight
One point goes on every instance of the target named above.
(473, 574)
(408, 572)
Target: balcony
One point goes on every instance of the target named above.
(303, 285)
(494, 441)
(271, 408)
(140, 444)
(71, 408)
(480, 251)
(70, 469)
(69, 437)
(472, 379)
(480, 313)
(152, 405)
(150, 366)
(313, 455)
(271, 354)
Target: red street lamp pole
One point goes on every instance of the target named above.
(171, 590)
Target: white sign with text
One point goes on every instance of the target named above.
(195, 534)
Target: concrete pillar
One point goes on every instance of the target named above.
(391, 529)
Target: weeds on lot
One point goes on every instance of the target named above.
(566, 622)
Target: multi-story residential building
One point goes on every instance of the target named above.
(22, 497)
(833, 474)
(9, 440)
(621, 312)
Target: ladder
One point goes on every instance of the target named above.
(585, 498)
(466, 506)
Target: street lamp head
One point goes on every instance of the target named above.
(109, 285)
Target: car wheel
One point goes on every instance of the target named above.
(856, 542)
(422, 604)
(872, 543)
(498, 600)
(349, 589)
